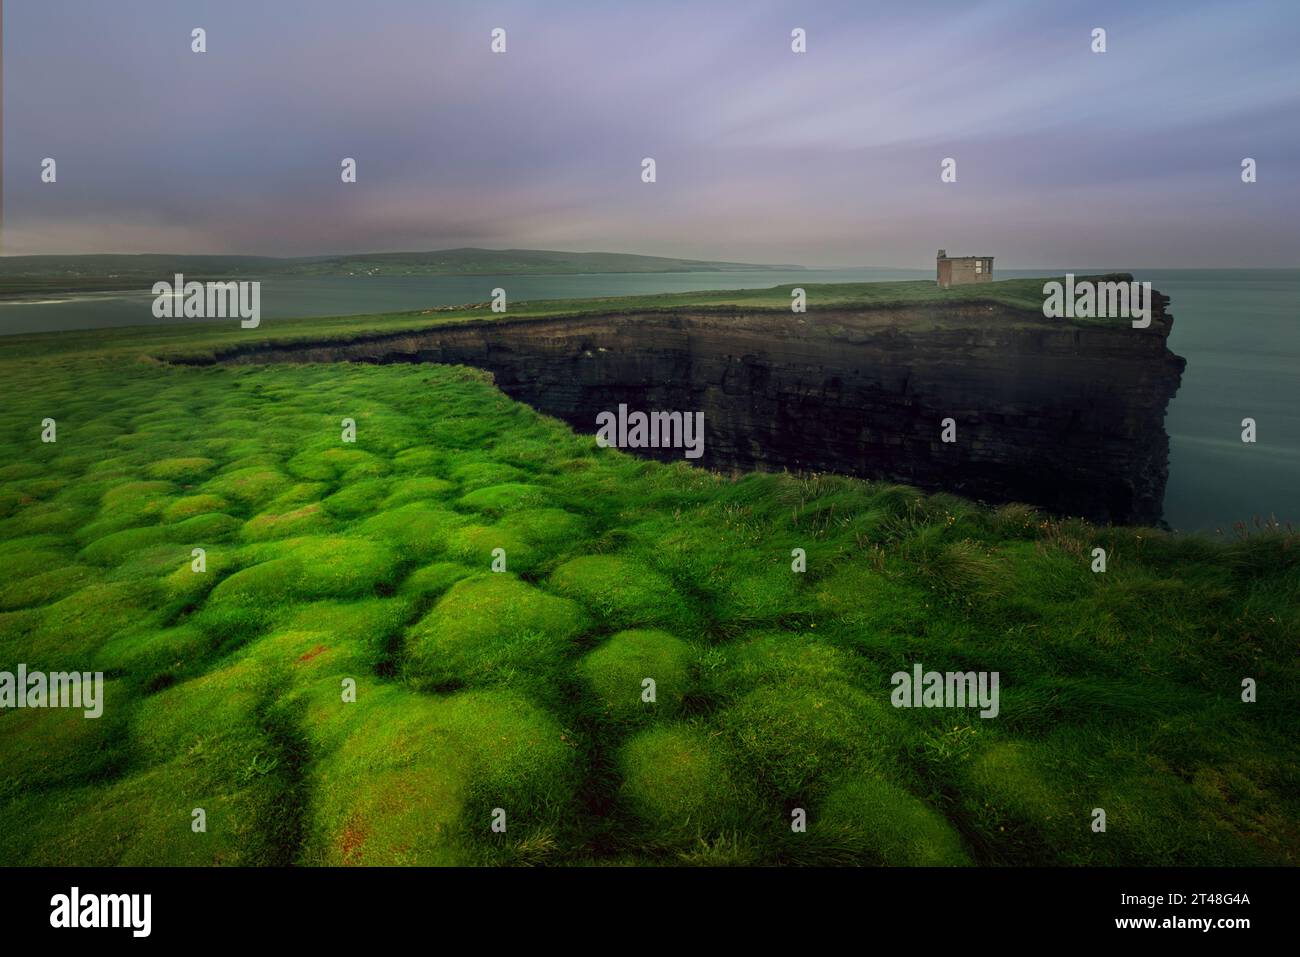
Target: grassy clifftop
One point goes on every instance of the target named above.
(1017, 300)
(371, 562)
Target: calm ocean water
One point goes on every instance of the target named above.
(1238, 329)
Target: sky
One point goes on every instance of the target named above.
(831, 158)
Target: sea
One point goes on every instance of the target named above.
(1238, 329)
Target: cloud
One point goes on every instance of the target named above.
(829, 158)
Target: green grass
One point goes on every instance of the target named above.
(617, 671)
(27, 275)
(330, 564)
(204, 340)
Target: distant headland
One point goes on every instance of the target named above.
(25, 275)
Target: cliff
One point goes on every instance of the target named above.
(1061, 415)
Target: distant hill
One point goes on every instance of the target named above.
(25, 275)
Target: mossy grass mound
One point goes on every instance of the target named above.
(871, 820)
(804, 716)
(616, 672)
(622, 592)
(357, 498)
(295, 522)
(421, 490)
(416, 530)
(44, 748)
(437, 771)
(191, 505)
(41, 588)
(487, 546)
(118, 548)
(149, 651)
(494, 500)
(489, 628)
(184, 469)
(65, 633)
(551, 528)
(679, 786)
(248, 486)
(146, 818)
(315, 567)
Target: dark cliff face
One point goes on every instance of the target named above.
(1050, 413)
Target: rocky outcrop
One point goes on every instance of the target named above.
(1065, 416)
